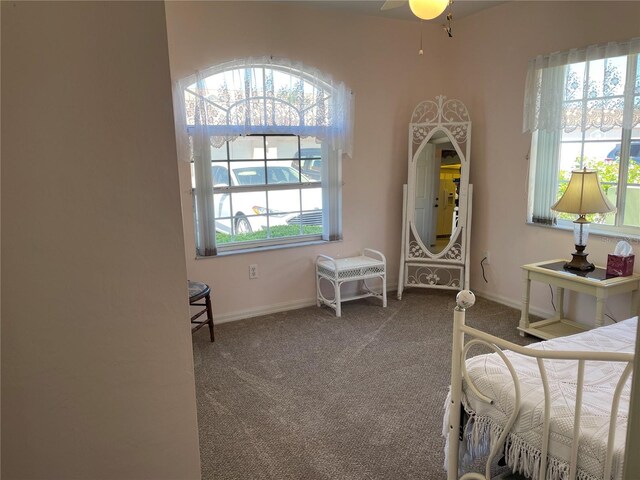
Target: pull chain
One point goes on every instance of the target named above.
(421, 52)
(447, 26)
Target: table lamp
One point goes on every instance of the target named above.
(584, 195)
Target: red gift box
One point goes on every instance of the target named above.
(618, 266)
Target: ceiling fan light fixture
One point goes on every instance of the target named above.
(428, 9)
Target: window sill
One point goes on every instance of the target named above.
(633, 238)
(266, 248)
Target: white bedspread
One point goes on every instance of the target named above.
(524, 444)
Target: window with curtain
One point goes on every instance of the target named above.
(583, 109)
(265, 139)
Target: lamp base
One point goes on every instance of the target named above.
(579, 261)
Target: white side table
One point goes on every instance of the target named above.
(371, 264)
(593, 283)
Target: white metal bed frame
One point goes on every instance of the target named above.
(465, 299)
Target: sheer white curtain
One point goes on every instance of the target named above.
(545, 151)
(547, 107)
(263, 95)
(560, 96)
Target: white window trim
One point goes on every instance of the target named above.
(335, 133)
(566, 225)
(268, 248)
(331, 209)
(537, 116)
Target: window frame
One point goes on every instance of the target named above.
(293, 240)
(629, 95)
(228, 101)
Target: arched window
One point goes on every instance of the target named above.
(266, 138)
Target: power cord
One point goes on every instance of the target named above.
(482, 266)
(554, 307)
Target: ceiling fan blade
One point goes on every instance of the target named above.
(389, 4)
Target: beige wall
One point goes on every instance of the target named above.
(97, 367)
(490, 55)
(378, 60)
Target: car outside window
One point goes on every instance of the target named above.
(261, 192)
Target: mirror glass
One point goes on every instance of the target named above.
(437, 182)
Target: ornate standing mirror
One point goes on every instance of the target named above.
(437, 198)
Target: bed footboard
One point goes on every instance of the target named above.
(542, 459)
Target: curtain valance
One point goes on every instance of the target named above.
(561, 93)
(266, 96)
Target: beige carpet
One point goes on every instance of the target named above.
(306, 395)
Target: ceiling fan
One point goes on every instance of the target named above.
(423, 9)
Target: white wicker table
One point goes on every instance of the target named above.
(371, 264)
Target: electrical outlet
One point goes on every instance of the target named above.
(253, 271)
(487, 255)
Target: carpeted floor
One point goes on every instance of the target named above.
(306, 395)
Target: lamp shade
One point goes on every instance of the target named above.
(427, 9)
(584, 195)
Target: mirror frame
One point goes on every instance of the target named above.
(449, 268)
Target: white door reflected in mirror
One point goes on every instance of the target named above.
(437, 178)
(426, 206)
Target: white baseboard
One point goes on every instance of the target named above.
(392, 286)
(509, 302)
(263, 310)
(391, 289)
